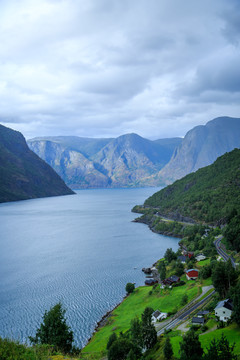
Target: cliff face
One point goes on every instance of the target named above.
(201, 147)
(92, 163)
(23, 175)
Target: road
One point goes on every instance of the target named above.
(184, 315)
(222, 253)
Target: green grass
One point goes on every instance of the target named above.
(203, 262)
(207, 282)
(165, 300)
(232, 333)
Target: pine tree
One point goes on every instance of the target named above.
(190, 347)
(220, 350)
(149, 333)
(54, 330)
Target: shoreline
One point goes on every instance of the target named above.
(103, 321)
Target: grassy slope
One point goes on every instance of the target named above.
(134, 305)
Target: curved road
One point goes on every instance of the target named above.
(222, 253)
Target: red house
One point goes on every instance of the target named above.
(192, 274)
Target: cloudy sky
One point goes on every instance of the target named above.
(102, 68)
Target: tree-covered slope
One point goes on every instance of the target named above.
(207, 195)
(23, 175)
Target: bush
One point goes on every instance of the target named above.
(204, 328)
(184, 299)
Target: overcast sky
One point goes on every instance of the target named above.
(103, 68)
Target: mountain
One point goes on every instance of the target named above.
(209, 194)
(23, 175)
(201, 147)
(92, 163)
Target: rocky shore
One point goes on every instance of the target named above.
(104, 319)
(148, 221)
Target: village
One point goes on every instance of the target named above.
(224, 308)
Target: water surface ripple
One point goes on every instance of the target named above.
(79, 249)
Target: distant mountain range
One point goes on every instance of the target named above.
(201, 147)
(95, 163)
(131, 161)
(23, 175)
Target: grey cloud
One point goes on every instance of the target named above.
(102, 67)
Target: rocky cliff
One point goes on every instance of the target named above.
(201, 147)
(128, 160)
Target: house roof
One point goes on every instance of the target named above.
(150, 281)
(170, 280)
(182, 258)
(187, 271)
(156, 313)
(203, 312)
(197, 320)
(174, 278)
(226, 304)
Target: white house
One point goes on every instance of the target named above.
(224, 309)
(158, 316)
(200, 257)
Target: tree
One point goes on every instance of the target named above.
(223, 277)
(170, 255)
(205, 272)
(220, 350)
(232, 231)
(131, 355)
(236, 304)
(162, 270)
(54, 330)
(179, 268)
(190, 347)
(129, 288)
(136, 332)
(149, 333)
(167, 350)
(111, 339)
(119, 349)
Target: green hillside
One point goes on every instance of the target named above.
(208, 195)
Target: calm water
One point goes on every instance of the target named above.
(79, 249)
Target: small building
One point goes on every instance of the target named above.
(182, 258)
(200, 257)
(158, 316)
(192, 274)
(171, 280)
(224, 310)
(202, 313)
(198, 320)
(187, 253)
(190, 254)
(150, 282)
